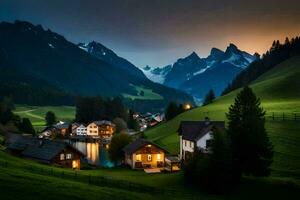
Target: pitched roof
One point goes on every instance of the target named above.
(137, 144)
(194, 130)
(99, 123)
(44, 150)
(61, 126)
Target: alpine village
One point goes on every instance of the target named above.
(79, 121)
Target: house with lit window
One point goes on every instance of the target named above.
(74, 129)
(143, 154)
(58, 130)
(196, 135)
(81, 130)
(101, 128)
(45, 151)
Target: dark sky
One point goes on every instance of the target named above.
(157, 32)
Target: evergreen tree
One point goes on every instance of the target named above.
(50, 118)
(132, 123)
(6, 107)
(26, 127)
(172, 111)
(252, 150)
(118, 142)
(121, 125)
(209, 97)
(212, 171)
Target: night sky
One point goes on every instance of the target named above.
(158, 32)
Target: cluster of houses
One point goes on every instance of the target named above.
(139, 154)
(96, 129)
(148, 120)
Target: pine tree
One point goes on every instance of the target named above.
(26, 127)
(172, 111)
(209, 97)
(252, 150)
(50, 118)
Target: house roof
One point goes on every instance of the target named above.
(99, 123)
(137, 144)
(44, 150)
(61, 126)
(194, 130)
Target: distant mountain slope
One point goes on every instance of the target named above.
(48, 57)
(278, 89)
(277, 54)
(197, 76)
(103, 53)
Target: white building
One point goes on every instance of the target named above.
(196, 135)
(81, 130)
(92, 129)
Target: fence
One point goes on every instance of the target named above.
(84, 178)
(282, 116)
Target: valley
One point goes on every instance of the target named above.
(145, 100)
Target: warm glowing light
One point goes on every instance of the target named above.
(187, 106)
(74, 164)
(149, 145)
(158, 157)
(138, 157)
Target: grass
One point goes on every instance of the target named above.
(36, 114)
(279, 92)
(25, 179)
(17, 181)
(148, 94)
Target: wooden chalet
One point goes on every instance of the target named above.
(57, 130)
(103, 128)
(143, 154)
(45, 151)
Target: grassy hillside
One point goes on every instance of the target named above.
(280, 92)
(24, 179)
(36, 114)
(148, 94)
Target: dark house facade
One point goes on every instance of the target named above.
(45, 151)
(196, 135)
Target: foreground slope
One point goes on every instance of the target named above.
(24, 179)
(279, 90)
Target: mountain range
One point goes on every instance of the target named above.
(197, 76)
(36, 64)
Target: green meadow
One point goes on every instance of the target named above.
(36, 114)
(280, 93)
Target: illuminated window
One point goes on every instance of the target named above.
(62, 156)
(69, 156)
(138, 157)
(149, 157)
(149, 145)
(158, 157)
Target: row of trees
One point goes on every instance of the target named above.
(14, 122)
(96, 108)
(173, 109)
(244, 149)
(277, 54)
